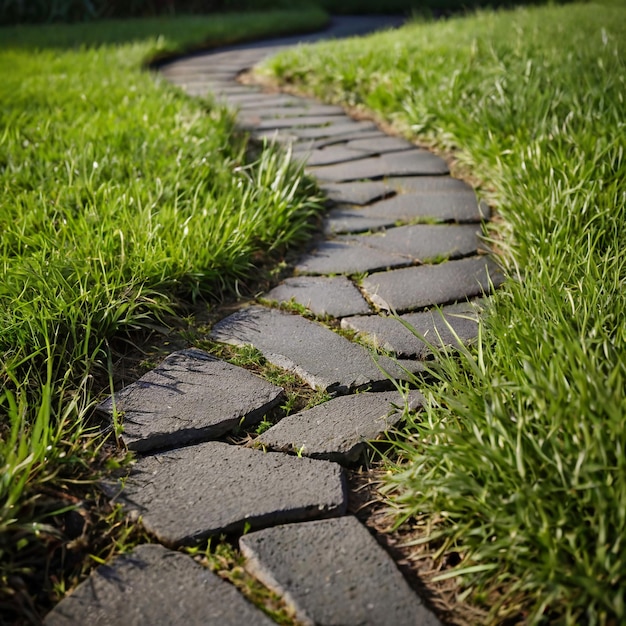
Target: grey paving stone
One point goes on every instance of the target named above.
(421, 184)
(152, 585)
(300, 109)
(380, 145)
(307, 121)
(265, 100)
(339, 429)
(440, 206)
(316, 144)
(447, 327)
(360, 193)
(211, 488)
(189, 397)
(410, 162)
(423, 242)
(345, 257)
(324, 570)
(413, 288)
(324, 359)
(323, 295)
(333, 130)
(332, 154)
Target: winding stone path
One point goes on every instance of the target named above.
(402, 236)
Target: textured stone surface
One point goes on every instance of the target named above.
(345, 257)
(332, 154)
(152, 585)
(323, 295)
(402, 208)
(439, 328)
(191, 493)
(305, 121)
(423, 242)
(346, 125)
(362, 192)
(338, 140)
(408, 162)
(418, 287)
(339, 429)
(324, 359)
(334, 573)
(424, 184)
(189, 397)
(380, 145)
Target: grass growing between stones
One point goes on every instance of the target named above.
(120, 199)
(518, 465)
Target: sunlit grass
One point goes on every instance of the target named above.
(119, 199)
(519, 463)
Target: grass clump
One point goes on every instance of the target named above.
(120, 198)
(519, 463)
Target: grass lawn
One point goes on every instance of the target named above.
(517, 469)
(119, 199)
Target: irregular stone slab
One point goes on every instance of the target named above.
(361, 193)
(449, 327)
(423, 242)
(332, 154)
(189, 397)
(345, 257)
(324, 571)
(339, 429)
(323, 295)
(332, 130)
(211, 488)
(153, 585)
(409, 162)
(324, 359)
(266, 100)
(316, 144)
(418, 287)
(422, 184)
(319, 121)
(455, 206)
(379, 146)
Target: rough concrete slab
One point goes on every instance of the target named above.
(323, 295)
(211, 488)
(380, 145)
(331, 155)
(413, 288)
(334, 573)
(360, 193)
(407, 163)
(345, 257)
(152, 585)
(440, 328)
(305, 121)
(265, 100)
(189, 397)
(316, 144)
(333, 130)
(422, 184)
(339, 429)
(423, 242)
(324, 359)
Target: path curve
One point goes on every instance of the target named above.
(401, 236)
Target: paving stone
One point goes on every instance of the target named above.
(361, 193)
(191, 493)
(323, 295)
(333, 130)
(379, 146)
(422, 184)
(422, 242)
(413, 288)
(308, 121)
(441, 206)
(189, 397)
(346, 257)
(265, 100)
(298, 110)
(331, 155)
(324, 359)
(152, 585)
(440, 328)
(339, 429)
(316, 144)
(324, 570)
(409, 162)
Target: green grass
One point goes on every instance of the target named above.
(519, 463)
(120, 198)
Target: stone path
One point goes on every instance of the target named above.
(401, 236)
